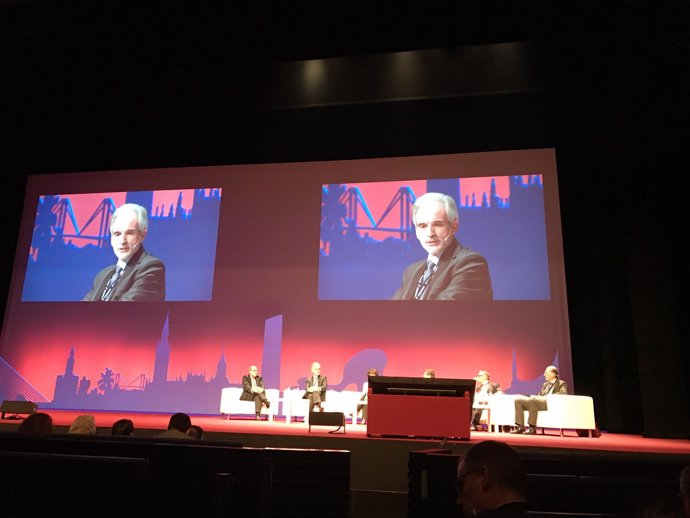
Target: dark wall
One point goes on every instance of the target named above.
(113, 87)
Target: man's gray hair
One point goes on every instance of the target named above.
(132, 208)
(444, 200)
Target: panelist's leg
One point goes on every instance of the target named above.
(521, 404)
(257, 406)
(535, 405)
(476, 417)
(314, 401)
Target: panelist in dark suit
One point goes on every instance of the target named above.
(364, 408)
(535, 404)
(253, 390)
(450, 271)
(316, 388)
(137, 275)
(483, 390)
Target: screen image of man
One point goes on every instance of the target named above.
(450, 271)
(137, 275)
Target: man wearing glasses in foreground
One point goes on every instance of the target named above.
(492, 481)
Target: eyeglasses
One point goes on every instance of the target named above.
(460, 480)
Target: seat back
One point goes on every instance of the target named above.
(502, 409)
(229, 396)
(568, 412)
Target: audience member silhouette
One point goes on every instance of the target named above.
(196, 432)
(492, 481)
(123, 427)
(83, 425)
(38, 423)
(178, 426)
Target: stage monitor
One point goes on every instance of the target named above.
(413, 386)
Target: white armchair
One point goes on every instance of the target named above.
(568, 413)
(565, 412)
(295, 406)
(502, 410)
(345, 401)
(230, 403)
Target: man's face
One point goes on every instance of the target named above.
(433, 229)
(549, 375)
(125, 236)
(481, 379)
(469, 488)
(316, 369)
(253, 372)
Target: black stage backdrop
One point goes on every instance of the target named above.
(87, 88)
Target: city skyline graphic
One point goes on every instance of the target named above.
(194, 392)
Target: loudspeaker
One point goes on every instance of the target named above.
(17, 407)
(327, 419)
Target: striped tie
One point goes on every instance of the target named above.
(108, 291)
(420, 292)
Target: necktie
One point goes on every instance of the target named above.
(424, 281)
(108, 291)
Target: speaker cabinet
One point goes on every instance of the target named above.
(327, 419)
(16, 408)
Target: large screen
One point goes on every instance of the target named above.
(294, 263)
(71, 242)
(368, 237)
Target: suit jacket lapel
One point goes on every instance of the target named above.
(129, 270)
(104, 281)
(412, 286)
(442, 268)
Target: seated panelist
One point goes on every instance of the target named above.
(316, 388)
(482, 391)
(536, 404)
(363, 409)
(253, 390)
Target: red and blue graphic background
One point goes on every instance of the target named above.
(264, 307)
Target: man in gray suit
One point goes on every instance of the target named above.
(450, 271)
(316, 388)
(137, 275)
(535, 404)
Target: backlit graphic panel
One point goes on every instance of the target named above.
(269, 298)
